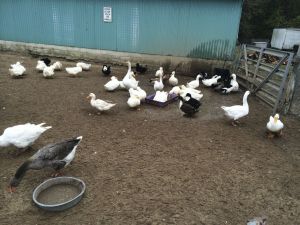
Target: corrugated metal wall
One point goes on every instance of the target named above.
(193, 28)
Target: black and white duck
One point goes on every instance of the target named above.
(106, 70)
(47, 61)
(189, 105)
(56, 156)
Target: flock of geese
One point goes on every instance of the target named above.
(60, 154)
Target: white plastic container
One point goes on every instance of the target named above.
(285, 38)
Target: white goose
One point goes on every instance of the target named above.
(159, 72)
(17, 70)
(158, 85)
(84, 66)
(274, 126)
(195, 83)
(173, 80)
(129, 80)
(211, 81)
(99, 104)
(48, 71)
(112, 85)
(237, 111)
(141, 93)
(40, 66)
(74, 70)
(134, 99)
(57, 65)
(175, 90)
(22, 136)
(234, 85)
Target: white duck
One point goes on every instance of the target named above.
(17, 70)
(175, 90)
(234, 85)
(40, 66)
(158, 85)
(129, 80)
(211, 81)
(74, 70)
(173, 80)
(84, 66)
(99, 104)
(134, 100)
(141, 93)
(195, 83)
(194, 95)
(161, 96)
(274, 126)
(48, 71)
(159, 72)
(22, 136)
(57, 65)
(112, 85)
(237, 111)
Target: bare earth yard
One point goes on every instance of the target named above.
(151, 166)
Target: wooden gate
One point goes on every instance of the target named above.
(266, 73)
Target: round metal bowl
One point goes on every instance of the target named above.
(55, 181)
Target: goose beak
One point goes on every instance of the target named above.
(88, 97)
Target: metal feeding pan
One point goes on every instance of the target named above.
(58, 193)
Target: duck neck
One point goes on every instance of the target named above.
(3, 142)
(245, 102)
(20, 173)
(160, 78)
(129, 67)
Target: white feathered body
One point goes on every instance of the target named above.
(17, 69)
(237, 111)
(73, 70)
(141, 93)
(112, 85)
(22, 135)
(57, 65)
(161, 96)
(159, 72)
(173, 80)
(211, 81)
(274, 126)
(40, 66)
(69, 158)
(84, 66)
(101, 105)
(133, 101)
(195, 83)
(48, 71)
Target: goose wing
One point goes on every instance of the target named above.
(57, 151)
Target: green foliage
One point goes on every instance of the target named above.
(260, 17)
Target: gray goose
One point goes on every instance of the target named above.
(56, 156)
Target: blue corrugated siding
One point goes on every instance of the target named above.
(193, 28)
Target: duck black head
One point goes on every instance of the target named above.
(15, 181)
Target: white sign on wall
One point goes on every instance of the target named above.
(107, 14)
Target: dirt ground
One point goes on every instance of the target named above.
(151, 166)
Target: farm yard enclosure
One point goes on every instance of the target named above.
(151, 166)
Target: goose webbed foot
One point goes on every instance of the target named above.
(235, 123)
(270, 135)
(11, 189)
(57, 174)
